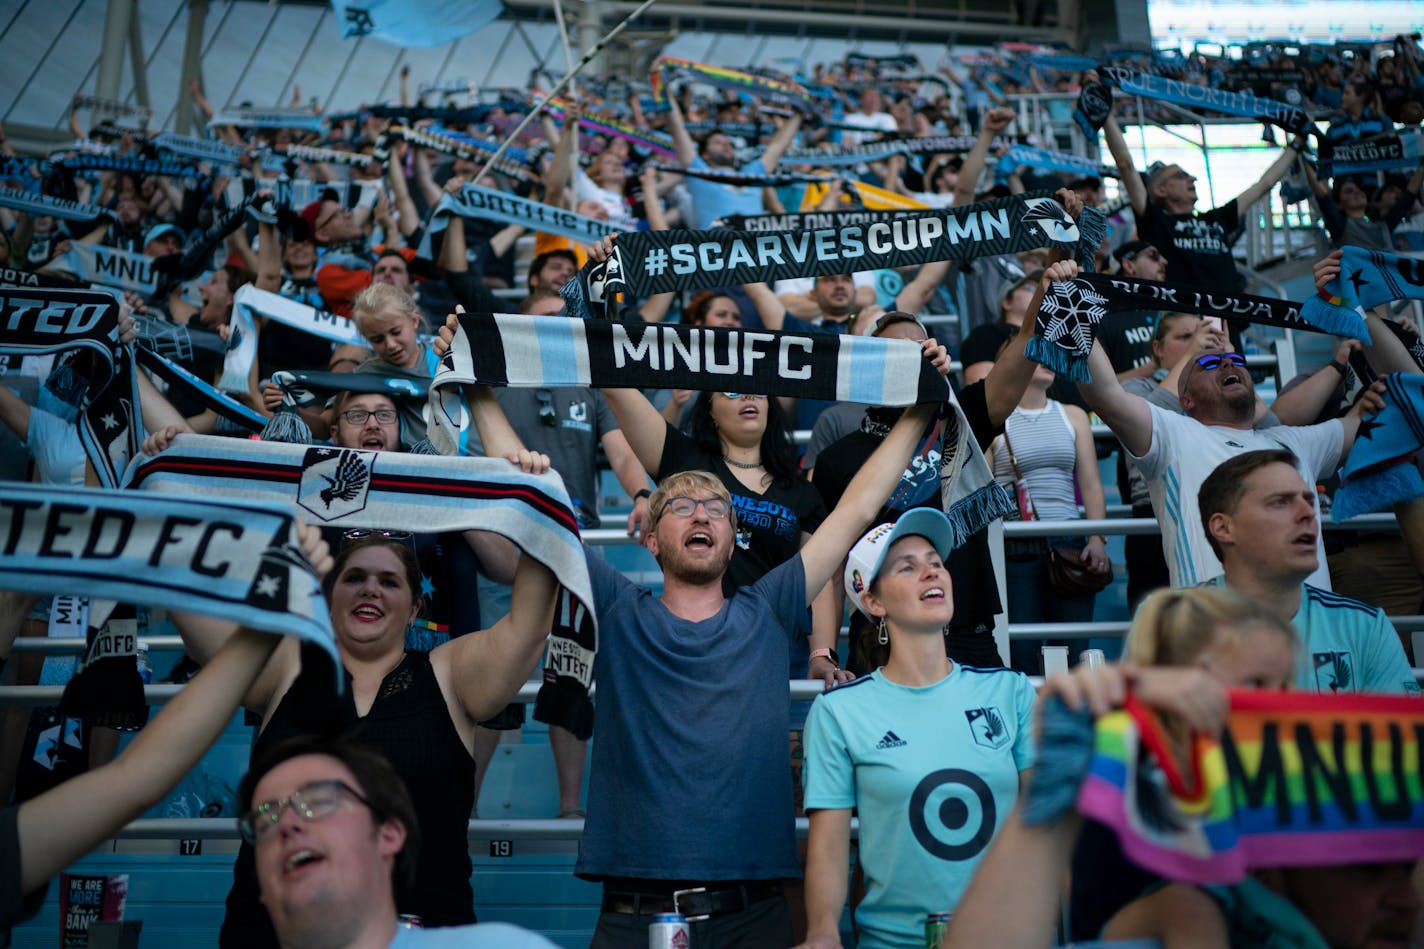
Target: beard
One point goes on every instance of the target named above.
(697, 571)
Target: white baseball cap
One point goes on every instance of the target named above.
(868, 555)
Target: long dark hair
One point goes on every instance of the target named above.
(777, 454)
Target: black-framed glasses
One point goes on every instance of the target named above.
(547, 414)
(716, 508)
(360, 416)
(1151, 253)
(361, 533)
(1213, 361)
(311, 802)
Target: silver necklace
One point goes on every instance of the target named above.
(742, 464)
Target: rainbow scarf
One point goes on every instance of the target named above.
(653, 142)
(1367, 279)
(1296, 779)
(668, 70)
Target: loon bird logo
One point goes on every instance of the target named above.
(987, 726)
(335, 482)
(1048, 214)
(1334, 672)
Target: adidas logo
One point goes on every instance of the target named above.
(891, 740)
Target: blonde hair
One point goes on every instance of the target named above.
(677, 485)
(380, 297)
(1178, 627)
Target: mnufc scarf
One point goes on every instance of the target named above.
(97, 372)
(1072, 310)
(1367, 279)
(879, 151)
(127, 163)
(1380, 153)
(100, 106)
(474, 201)
(1132, 81)
(329, 156)
(268, 119)
(1050, 160)
(218, 154)
(1380, 471)
(668, 70)
(39, 205)
(237, 560)
(1296, 780)
(343, 487)
(650, 262)
(740, 179)
(464, 147)
(810, 220)
(248, 304)
(112, 267)
(541, 351)
(176, 376)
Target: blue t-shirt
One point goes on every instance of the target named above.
(483, 935)
(1348, 646)
(689, 778)
(713, 199)
(933, 772)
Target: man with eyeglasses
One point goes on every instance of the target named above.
(1175, 452)
(333, 827)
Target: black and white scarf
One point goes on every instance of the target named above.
(112, 267)
(128, 163)
(199, 255)
(1403, 149)
(329, 156)
(218, 154)
(468, 149)
(879, 151)
(96, 372)
(175, 376)
(741, 179)
(543, 351)
(1072, 310)
(101, 106)
(811, 220)
(268, 119)
(250, 303)
(474, 201)
(649, 262)
(1137, 82)
(39, 205)
(10, 277)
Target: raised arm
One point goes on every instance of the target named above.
(1303, 402)
(1127, 171)
(408, 218)
(562, 165)
(1370, 401)
(995, 121)
(768, 306)
(916, 294)
(1268, 179)
(1126, 414)
(681, 142)
(785, 135)
(1011, 373)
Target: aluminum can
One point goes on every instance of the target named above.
(669, 931)
(936, 925)
(145, 667)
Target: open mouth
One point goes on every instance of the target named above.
(1305, 540)
(933, 594)
(299, 860)
(749, 411)
(1232, 378)
(699, 540)
(367, 613)
(374, 442)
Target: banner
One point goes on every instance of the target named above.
(414, 23)
(111, 266)
(1296, 780)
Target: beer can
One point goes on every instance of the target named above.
(1093, 658)
(936, 925)
(669, 931)
(409, 921)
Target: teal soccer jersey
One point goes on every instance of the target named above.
(1348, 646)
(933, 772)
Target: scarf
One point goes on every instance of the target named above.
(172, 341)
(127, 163)
(237, 560)
(1368, 278)
(199, 255)
(1380, 471)
(342, 487)
(218, 154)
(100, 106)
(650, 262)
(1135, 81)
(668, 70)
(1297, 779)
(112, 267)
(248, 304)
(1403, 149)
(1050, 160)
(97, 375)
(176, 376)
(9, 277)
(1094, 106)
(1072, 310)
(653, 142)
(330, 156)
(546, 351)
(875, 63)
(474, 201)
(879, 151)
(39, 205)
(447, 143)
(306, 389)
(810, 220)
(741, 179)
(268, 119)
(297, 193)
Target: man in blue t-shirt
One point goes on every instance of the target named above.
(690, 804)
(1259, 517)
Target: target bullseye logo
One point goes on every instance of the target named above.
(952, 814)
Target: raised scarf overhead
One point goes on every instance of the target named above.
(343, 487)
(1072, 310)
(1380, 471)
(1050, 160)
(650, 262)
(669, 70)
(39, 205)
(237, 560)
(10, 277)
(306, 389)
(218, 154)
(1367, 279)
(1403, 149)
(269, 119)
(810, 220)
(543, 351)
(97, 373)
(248, 304)
(466, 147)
(1136, 82)
(1296, 780)
(878, 151)
(134, 164)
(741, 179)
(654, 142)
(474, 201)
(175, 375)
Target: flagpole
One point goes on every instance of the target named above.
(564, 38)
(587, 58)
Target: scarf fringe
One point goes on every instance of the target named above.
(1378, 490)
(977, 510)
(287, 426)
(1065, 751)
(1333, 318)
(1061, 361)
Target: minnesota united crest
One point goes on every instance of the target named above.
(334, 481)
(1334, 672)
(988, 727)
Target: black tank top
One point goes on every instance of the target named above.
(410, 724)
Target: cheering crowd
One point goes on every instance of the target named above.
(342, 317)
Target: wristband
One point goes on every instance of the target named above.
(1340, 367)
(828, 654)
(640, 494)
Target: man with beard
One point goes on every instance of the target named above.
(1175, 453)
(714, 199)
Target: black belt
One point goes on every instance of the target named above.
(698, 902)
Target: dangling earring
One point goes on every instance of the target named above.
(884, 634)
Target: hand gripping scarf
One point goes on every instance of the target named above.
(1297, 779)
(1072, 310)
(96, 374)
(1134, 81)
(1403, 149)
(343, 487)
(543, 351)
(237, 560)
(1367, 279)
(650, 262)
(248, 304)
(1380, 471)
(306, 389)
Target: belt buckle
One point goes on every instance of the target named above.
(676, 908)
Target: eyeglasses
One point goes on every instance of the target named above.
(716, 508)
(310, 802)
(1151, 253)
(1212, 361)
(361, 533)
(547, 414)
(359, 416)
